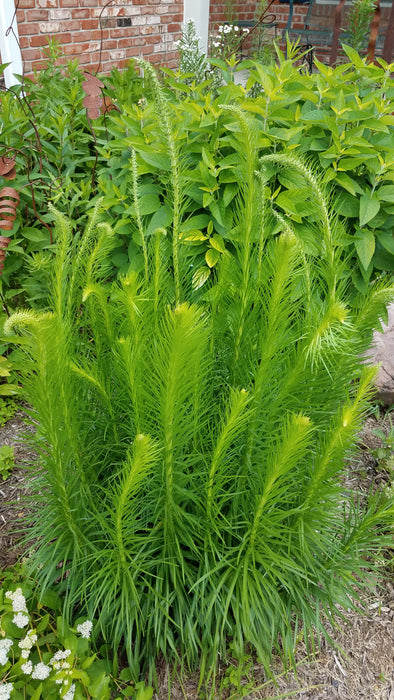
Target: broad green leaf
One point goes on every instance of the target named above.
(217, 209)
(43, 624)
(386, 240)
(193, 236)
(365, 246)
(34, 234)
(348, 183)
(369, 207)
(200, 277)
(350, 163)
(212, 256)
(149, 203)
(376, 125)
(143, 692)
(199, 221)
(161, 161)
(9, 389)
(286, 202)
(386, 193)
(160, 219)
(346, 205)
(229, 193)
(37, 693)
(383, 260)
(353, 55)
(207, 198)
(217, 242)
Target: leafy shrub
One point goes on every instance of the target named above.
(192, 439)
(338, 118)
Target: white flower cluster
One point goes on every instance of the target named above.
(226, 29)
(5, 646)
(20, 619)
(27, 667)
(41, 671)
(85, 629)
(5, 691)
(26, 644)
(61, 666)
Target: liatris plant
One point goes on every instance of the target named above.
(359, 20)
(192, 59)
(191, 441)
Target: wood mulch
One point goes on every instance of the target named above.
(360, 667)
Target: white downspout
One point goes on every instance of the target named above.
(9, 44)
(198, 10)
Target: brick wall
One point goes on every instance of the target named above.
(126, 29)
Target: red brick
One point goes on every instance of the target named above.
(122, 33)
(64, 37)
(30, 28)
(37, 15)
(26, 4)
(38, 40)
(174, 17)
(31, 54)
(125, 43)
(80, 14)
(89, 24)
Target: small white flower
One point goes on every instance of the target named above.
(246, 30)
(236, 29)
(70, 693)
(227, 29)
(41, 671)
(25, 653)
(220, 28)
(216, 43)
(18, 600)
(5, 691)
(85, 629)
(20, 620)
(27, 667)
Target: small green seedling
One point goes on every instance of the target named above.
(6, 461)
(7, 411)
(384, 454)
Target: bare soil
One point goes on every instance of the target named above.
(360, 667)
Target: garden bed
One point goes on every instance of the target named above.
(361, 667)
